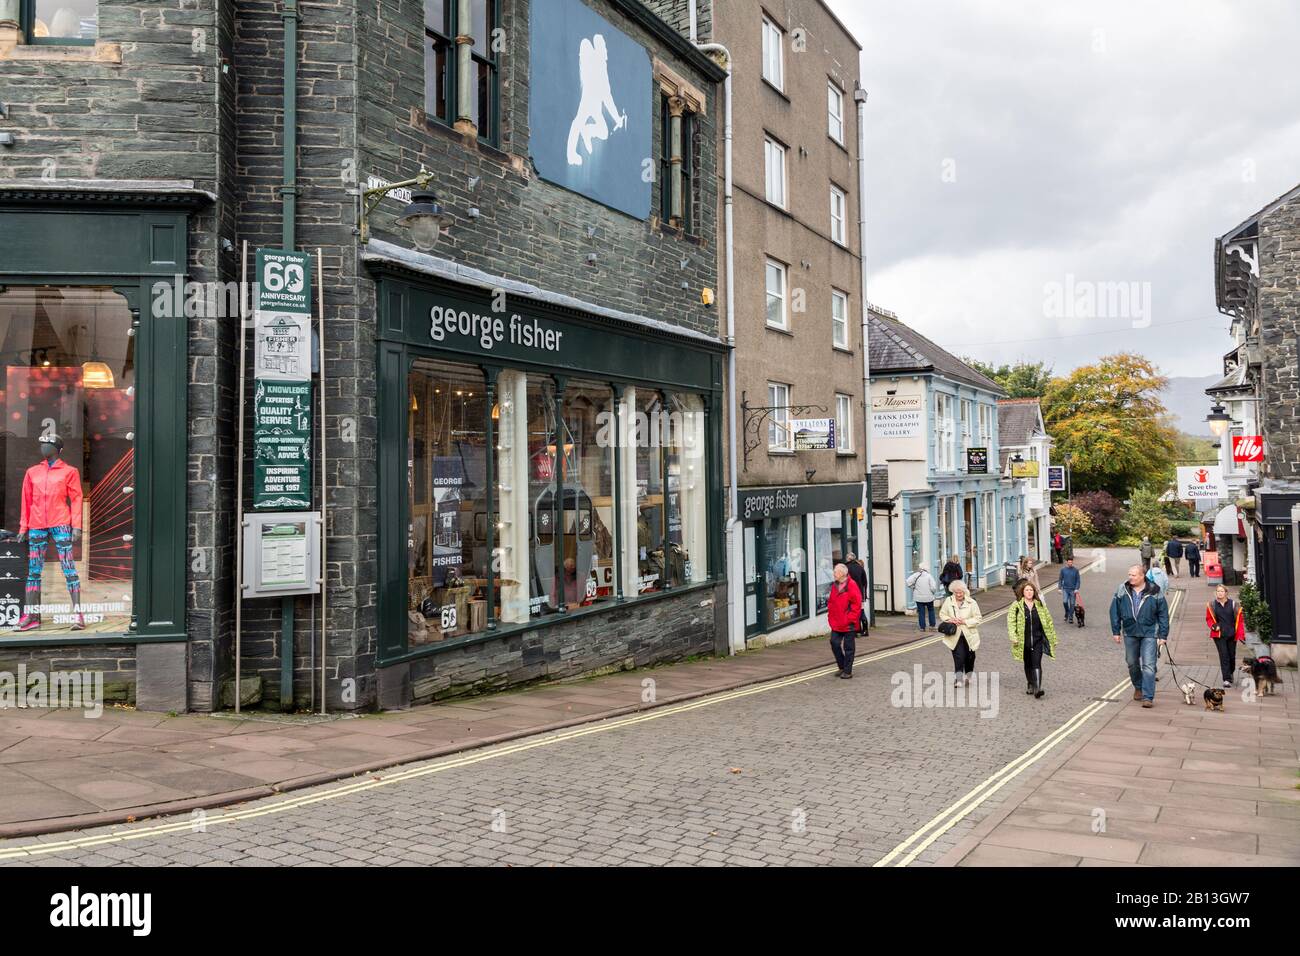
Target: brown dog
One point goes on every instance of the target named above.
(1264, 671)
(1214, 699)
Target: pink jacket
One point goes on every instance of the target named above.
(51, 496)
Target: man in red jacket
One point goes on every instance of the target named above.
(842, 613)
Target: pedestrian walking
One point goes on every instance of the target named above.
(858, 573)
(1068, 582)
(1139, 617)
(1192, 552)
(1147, 551)
(952, 571)
(1174, 552)
(960, 618)
(1058, 546)
(843, 612)
(1030, 627)
(1227, 627)
(1161, 580)
(1028, 572)
(924, 589)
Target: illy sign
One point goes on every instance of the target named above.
(1247, 448)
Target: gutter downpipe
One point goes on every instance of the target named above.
(860, 97)
(735, 576)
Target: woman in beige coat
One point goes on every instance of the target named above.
(960, 610)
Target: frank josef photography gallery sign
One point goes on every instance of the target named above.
(282, 382)
(896, 416)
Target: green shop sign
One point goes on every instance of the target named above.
(282, 377)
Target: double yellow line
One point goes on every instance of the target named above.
(918, 842)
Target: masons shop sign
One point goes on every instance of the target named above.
(589, 107)
(1201, 483)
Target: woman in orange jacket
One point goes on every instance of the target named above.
(1227, 626)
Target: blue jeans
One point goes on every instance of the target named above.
(1068, 597)
(1140, 655)
(921, 608)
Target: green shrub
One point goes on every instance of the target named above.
(1256, 612)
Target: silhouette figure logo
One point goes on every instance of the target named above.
(596, 99)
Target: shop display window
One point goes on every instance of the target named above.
(688, 527)
(785, 570)
(68, 446)
(829, 550)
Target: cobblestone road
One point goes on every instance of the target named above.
(812, 771)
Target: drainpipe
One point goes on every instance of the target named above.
(860, 97)
(288, 240)
(735, 575)
(465, 70)
(695, 38)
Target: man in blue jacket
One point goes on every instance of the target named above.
(1068, 582)
(1139, 613)
(1174, 552)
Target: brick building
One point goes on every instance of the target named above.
(1257, 283)
(522, 425)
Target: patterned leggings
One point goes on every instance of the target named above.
(38, 540)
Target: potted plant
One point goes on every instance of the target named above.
(1259, 619)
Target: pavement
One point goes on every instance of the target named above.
(62, 771)
(1174, 785)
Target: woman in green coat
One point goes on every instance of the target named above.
(1030, 627)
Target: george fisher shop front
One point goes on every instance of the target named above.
(550, 489)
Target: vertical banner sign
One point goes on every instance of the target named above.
(282, 382)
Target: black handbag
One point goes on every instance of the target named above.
(947, 629)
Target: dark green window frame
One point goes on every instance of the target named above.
(444, 38)
(51, 246)
(27, 19)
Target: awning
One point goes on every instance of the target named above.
(1228, 522)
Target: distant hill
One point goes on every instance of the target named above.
(1188, 404)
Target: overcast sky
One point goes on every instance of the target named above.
(1011, 145)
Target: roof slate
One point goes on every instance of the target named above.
(896, 347)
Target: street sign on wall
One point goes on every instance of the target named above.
(282, 381)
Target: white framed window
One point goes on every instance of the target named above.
(967, 425)
(843, 422)
(773, 54)
(1037, 481)
(774, 167)
(835, 112)
(990, 522)
(839, 319)
(779, 436)
(945, 432)
(777, 317)
(986, 426)
(839, 212)
(946, 536)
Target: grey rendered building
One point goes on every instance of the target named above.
(522, 422)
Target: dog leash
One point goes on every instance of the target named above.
(1173, 667)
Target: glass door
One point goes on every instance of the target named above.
(753, 606)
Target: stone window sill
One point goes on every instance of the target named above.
(12, 51)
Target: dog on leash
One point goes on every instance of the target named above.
(1188, 689)
(1214, 699)
(1264, 671)
(1078, 612)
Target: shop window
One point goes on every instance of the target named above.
(66, 22)
(917, 540)
(688, 491)
(990, 521)
(542, 463)
(783, 547)
(441, 74)
(587, 563)
(447, 543)
(646, 478)
(66, 558)
(829, 550)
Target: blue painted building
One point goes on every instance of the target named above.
(934, 426)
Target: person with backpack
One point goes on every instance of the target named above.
(1227, 626)
(921, 581)
(1147, 551)
(1030, 627)
(843, 613)
(959, 618)
(1139, 618)
(1192, 552)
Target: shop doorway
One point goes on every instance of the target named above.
(970, 556)
(776, 586)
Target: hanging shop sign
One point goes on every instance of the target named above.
(282, 381)
(1199, 482)
(590, 128)
(1024, 469)
(813, 434)
(977, 461)
(1055, 477)
(896, 416)
(1247, 448)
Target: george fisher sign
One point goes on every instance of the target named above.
(282, 382)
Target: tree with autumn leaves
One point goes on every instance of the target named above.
(1110, 419)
